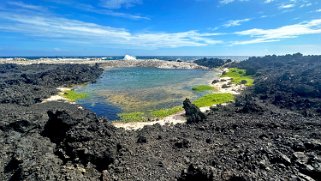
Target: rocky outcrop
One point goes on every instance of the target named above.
(152, 63)
(30, 84)
(291, 81)
(194, 172)
(78, 135)
(212, 62)
(192, 112)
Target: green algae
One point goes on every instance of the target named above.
(202, 88)
(239, 76)
(211, 99)
(132, 117)
(161, 113)
(73, 96)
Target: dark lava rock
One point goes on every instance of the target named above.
(290, 81)
(58, 124)
(183, 143)
(280, 158)
(194, 173)
(215, 81)
(224, 86)
(21, 126)
(78, 134)
(30, 84)
(211, 62)
(192, 112)
(251, 107)
(142, 139)
(243, 82)
(298, 146)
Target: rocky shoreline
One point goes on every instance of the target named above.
(106, 64)
(272, 132)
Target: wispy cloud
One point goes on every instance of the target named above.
(122, 15)
(26, 6)
(226, 1)
(296, 3)
(318, 10)
(236, 22)
(284, 32)
(307, 4)
(231, 1)
(91, 9)
(116, 4)
(286, 6)
(62, 29)
(268, 1)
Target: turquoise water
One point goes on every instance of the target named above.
(141, 89)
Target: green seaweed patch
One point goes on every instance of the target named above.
(239, 76)
(73, 96)
(132, 117)
(202, 88)
(161, 113)
(211, 99)
(142, 117)
(206, 100)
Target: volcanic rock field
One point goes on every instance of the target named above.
(271, 132)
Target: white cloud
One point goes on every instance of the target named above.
(62, 29)
(226, 1)
(116, 4)
(79, 6)
(296, 3)
(231, 1)
(236, 22)
(91, 9)
(268, 1)
(307, 4)
(286, 6)
(284, 32)
(122, 15)
(318, 10)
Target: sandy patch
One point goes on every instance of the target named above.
(178, 118)
(59, 96)
(230, 87)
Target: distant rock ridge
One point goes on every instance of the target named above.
(151, 63)
(126, 62)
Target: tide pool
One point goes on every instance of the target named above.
(138, 89)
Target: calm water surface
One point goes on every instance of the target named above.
(141, 89)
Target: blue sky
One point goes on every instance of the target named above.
(159, 27)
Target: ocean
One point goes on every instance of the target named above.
(168, 58)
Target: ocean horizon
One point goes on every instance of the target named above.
(167, 58)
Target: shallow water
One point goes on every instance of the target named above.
(141, 89)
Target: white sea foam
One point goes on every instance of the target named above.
(128, 57)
